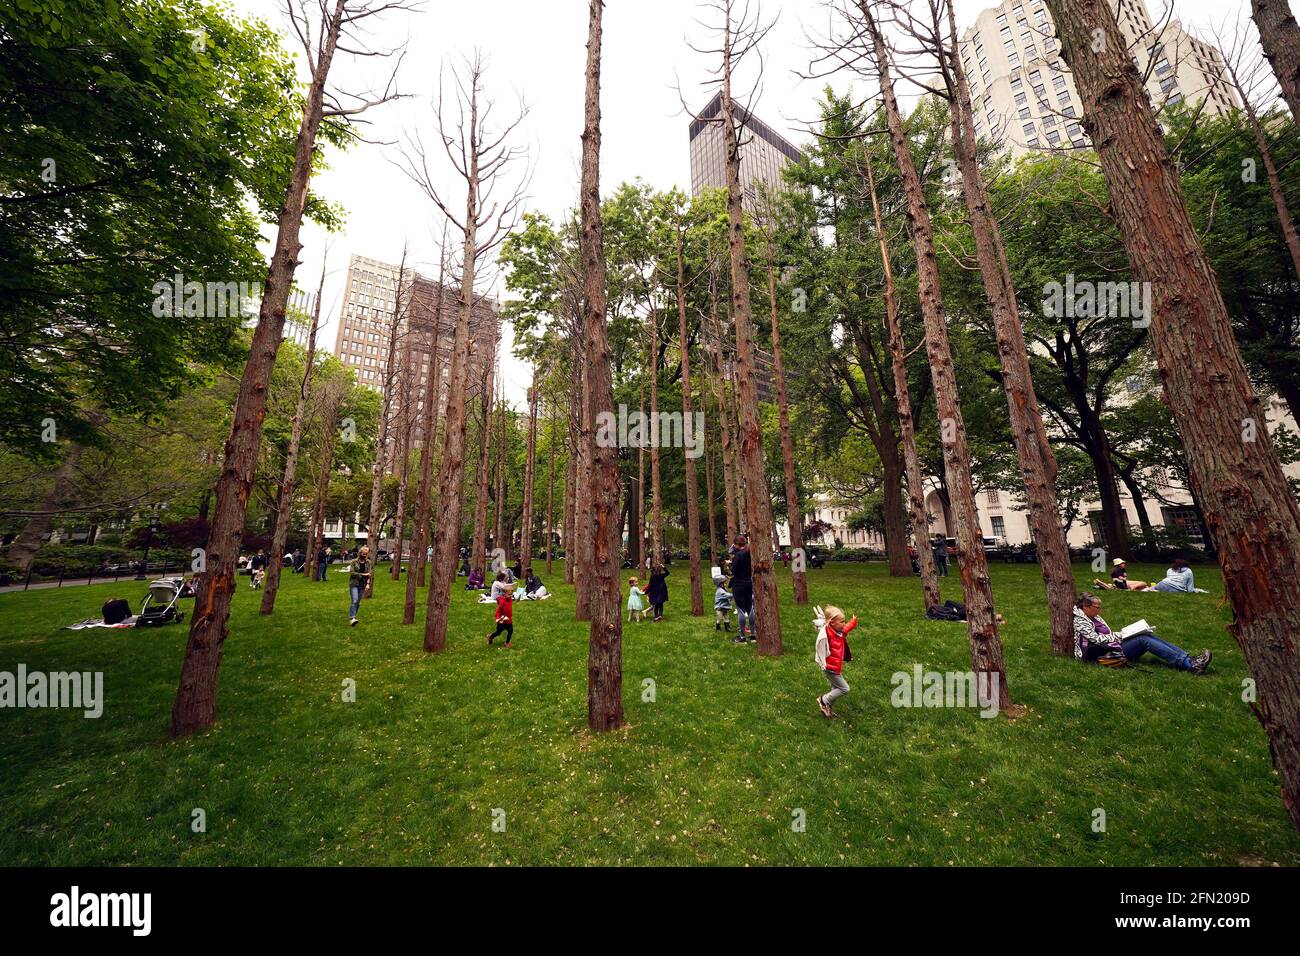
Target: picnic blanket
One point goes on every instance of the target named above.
(96, 622)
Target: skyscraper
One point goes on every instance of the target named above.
(1024, 97)
(428, 315)
(763, 152)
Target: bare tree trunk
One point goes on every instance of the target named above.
(793, 509)
(429, 424)
(195, 707)
(325, 467)
(1037, 460)
(758, 505)
(387, 414)
(502, 531)
(584, 502)
(550, 490)
(724, 423)
(289, 480)
(714, 556)
(985, 643)
(1234, 469)
(907, 426)
(1284, 217)
(407, 434)
(1279, 35)
(451, 471)
(689, 438)
(605, 643)
(478, 542)
(643, 559)
(656, 492)
(530, 468)
(571, 472)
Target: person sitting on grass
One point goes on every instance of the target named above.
(831, 656)
(1096, 643)
(721, 604)
(635, 601)
(534, 589)
(1178, 579)
(475, 582)
(499, 585)
(1119, 579)
(504, 616)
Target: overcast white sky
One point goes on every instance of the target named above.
(537, 51)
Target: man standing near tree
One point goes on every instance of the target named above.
(742, 590)
(941, 554)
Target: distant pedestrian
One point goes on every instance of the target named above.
(941, 554)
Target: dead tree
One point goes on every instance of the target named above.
(195, 707)
(903, 402)
(688, 435)
(429, 424)
(605, 640)
(793, 510)
(388, 411)
(1279, 35)
(289, 479)
(550, 488)
(530, 469)
(483, 158)
(866, 43)
(478, 539)
(1234, 470)
(1243, 73)
(1029, 434)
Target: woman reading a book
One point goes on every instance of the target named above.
(1096, 643)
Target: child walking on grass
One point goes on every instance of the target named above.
(832, 652)
(635, 601)
(721, 604)
(504, 616)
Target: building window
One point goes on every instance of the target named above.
(992, 496)
(999, 526)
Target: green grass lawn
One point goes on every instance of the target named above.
(712, 770)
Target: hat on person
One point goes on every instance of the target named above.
(1117, 562)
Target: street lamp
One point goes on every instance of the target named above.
(148, 540)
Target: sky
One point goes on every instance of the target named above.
(536, 52)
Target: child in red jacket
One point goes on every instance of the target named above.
(505, 615)
(833, 661)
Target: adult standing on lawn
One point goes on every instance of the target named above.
(941, 554)
(357, 576)
(742, 589)
(657, 590)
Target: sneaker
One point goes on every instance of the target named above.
(826, 711)
(738, 639)
(1201, 662)
(717, 626)
(352, 623)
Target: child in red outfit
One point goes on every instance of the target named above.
(833, 663)
(505, 615)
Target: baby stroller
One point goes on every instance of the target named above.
(159, 605)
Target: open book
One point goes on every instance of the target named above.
(1140, 627)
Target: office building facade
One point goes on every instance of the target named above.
(1024, 97)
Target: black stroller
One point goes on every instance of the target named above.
(160, 604)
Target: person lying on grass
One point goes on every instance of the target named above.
(1096, 643)
(1178, 580)
(832, 655)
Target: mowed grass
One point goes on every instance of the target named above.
(713, 770)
